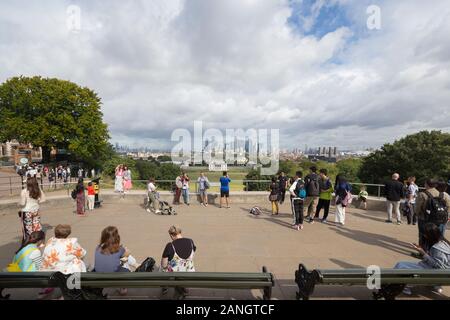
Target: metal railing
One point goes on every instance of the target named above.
(13, 184)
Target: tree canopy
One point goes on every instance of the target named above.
(53, 113)
(424, 155)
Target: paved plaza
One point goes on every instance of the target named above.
(231, 240)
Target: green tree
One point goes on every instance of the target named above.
(256, 186)
(53, 113)
(164, 158)
(349, 168)
(425, 155)
(109, 167)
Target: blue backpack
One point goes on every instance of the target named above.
(300, 190)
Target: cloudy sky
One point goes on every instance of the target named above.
(312, 69)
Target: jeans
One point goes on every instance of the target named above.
(325, 204)
(297, 210)
(396, 206)
(412, 216)
(185, 193)
(408, 265)
(442, 227)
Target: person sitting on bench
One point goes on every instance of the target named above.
(438, 257)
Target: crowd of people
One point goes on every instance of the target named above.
(53, 175)
(63, 253)
(309, 195)
(181, 189)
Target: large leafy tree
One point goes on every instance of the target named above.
(425, 155)
(53, 113)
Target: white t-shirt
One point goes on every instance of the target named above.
(413, 189)
(151, 187)
(30, 204)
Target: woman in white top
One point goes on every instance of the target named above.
(30, 199)
(152, 198)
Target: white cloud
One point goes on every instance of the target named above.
(159, 65)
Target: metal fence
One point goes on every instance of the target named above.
(13, 185)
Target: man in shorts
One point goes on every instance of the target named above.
(225, 189)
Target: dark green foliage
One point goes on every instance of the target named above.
(53, 113)
(425, 155)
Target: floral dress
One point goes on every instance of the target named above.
(177, 264)
(63, 255)
(118, 185)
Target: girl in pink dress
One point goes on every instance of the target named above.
(127, 179)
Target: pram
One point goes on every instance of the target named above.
(164, 207)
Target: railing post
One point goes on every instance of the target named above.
(10, 186)
(379, 192)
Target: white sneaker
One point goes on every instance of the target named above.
(158, 211)
(407, 291)
(148, 210)
(437, 289)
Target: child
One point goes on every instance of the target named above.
(91, 196)
(363, 196)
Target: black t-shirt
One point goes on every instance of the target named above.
(183, 247)
(282, 182)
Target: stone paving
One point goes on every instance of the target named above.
(234, 240)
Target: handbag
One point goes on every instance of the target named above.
(273, 197)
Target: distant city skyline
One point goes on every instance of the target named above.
(312, 69)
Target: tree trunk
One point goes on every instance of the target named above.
(46, 154)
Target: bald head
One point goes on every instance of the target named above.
(395, 176)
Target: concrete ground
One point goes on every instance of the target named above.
(233, 240)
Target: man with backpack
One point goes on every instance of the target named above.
(431, 206)
(312, 193)
(298, 194)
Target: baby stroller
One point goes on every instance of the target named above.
(164, 208)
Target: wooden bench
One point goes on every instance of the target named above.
(93, 283)
(392, 281)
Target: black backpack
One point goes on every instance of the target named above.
(147, 266)
(436, 210)
(74, 194)
(312, 185)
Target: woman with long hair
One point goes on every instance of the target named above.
(81, 199)
(118, 185)
(274, 195)
(29, 258)
(30, 199)
(437, 257)
(342, 190)
(110, 254)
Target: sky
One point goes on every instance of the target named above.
(312, 69)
